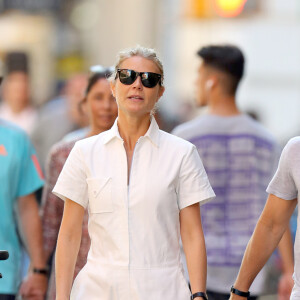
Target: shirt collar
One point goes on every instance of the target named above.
(152, 132)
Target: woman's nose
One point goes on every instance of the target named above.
(138, 83)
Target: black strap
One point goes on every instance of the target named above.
(240, 293)
(41, 271)
(199, 294)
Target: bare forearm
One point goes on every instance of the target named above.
(259, 249)
(31, 229)
(67, 248)
(194, 247)
(65, 259)
(285, 248)
(52, 212)
(196, 262)
(267, 234)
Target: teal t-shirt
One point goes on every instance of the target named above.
(20, 175)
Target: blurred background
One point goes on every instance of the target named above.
(65, 37)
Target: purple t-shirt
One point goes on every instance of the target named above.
(240, 157)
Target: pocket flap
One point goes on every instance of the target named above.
(100, 194)
(97, 184)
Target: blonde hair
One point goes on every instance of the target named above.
(138, 50)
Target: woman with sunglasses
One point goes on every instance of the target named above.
(142, 187)
(101, 108)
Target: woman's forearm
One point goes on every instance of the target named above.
(68, 244)
(65, 260)
(196, 262)
(194, 247)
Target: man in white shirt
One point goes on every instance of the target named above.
(283, 197)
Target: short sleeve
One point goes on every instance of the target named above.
(283, 185)
(193, 184)
(71, 182)
(30, 176)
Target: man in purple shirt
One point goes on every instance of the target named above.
(240, 157)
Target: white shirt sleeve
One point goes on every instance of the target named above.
(71, 182)
(193, 184)
(283, 185)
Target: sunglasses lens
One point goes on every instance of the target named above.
(149, 79)
(127, 76)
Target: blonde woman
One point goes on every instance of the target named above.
(142, 188)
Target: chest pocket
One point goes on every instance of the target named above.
(100, 195)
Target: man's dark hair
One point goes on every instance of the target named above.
(226, 58)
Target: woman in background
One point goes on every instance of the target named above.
(101, 107)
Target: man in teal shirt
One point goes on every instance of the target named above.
(20, 177)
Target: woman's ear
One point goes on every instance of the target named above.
(160, 92)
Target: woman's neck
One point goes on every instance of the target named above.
(132, 128)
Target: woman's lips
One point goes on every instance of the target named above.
(136, 98)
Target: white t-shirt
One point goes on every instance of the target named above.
(134, 229)
(286, 184)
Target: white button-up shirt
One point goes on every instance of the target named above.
(134, 229)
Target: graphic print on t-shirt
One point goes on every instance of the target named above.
(238, 167)
(37, 166)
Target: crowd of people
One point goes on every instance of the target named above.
(120, 209)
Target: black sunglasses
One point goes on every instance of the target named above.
(148, 79)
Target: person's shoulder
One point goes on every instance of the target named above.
(174, 142)
(10, 127)
(80, 133)
(13, 131)
(86, 142)
(293, 145)
(258, 129)
(92, 141)
(63, 147)
(186, 128)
